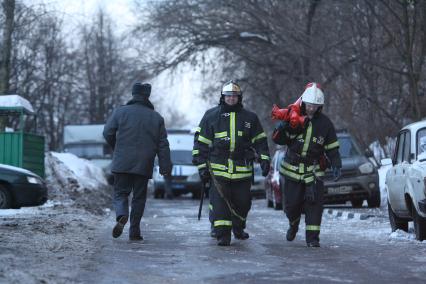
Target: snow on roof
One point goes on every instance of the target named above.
(84, 133)
(17, 102)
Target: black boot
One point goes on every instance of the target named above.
(291, 232)
(213, 233)
(313, 244)
(224, 240)
(136, 238)
(118, 228)
(240, 234)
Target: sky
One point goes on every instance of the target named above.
(181, 89)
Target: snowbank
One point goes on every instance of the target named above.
(76, 180)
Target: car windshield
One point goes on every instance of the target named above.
(347, 148)
(181, 157)
(421, 141)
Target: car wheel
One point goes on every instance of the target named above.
(374, 199)
(269, 203)
(5, 198)
(357, 203)
(419, 225)
(395, 222)
(196, 194)
(158, 193)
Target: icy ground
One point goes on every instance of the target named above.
(50, 243)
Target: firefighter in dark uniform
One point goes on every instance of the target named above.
(229, 139)
(311, 149)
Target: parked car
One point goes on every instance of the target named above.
(272, 181)
(185, 178)
(258, 188)
(406, 180)
(20, 187)
(359, 180)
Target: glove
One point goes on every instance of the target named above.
(265, 167)
(204, 175)
(336, 173)
(310, 193)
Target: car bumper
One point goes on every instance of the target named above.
(345, 189)
(179, 186)
(28, 194)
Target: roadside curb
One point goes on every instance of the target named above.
(347, 215)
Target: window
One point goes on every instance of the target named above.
(421, 141)
(87, 151)
(181, 157)
(347, 148)
(400, 148)
(406, 156)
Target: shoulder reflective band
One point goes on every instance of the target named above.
(204, 140)
(312, 228)
(259, 136)
(232, 131)
(333, 145)
(220, 134)
(222, 223)
(198, 129)
(307, 140)
(264, 157)
(195, 152)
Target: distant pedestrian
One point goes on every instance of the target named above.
(137, 134)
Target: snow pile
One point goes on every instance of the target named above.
(400, 235)
(76, 180)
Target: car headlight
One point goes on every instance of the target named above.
(366, 168)
(34, 180)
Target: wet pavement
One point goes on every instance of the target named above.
(178, 249)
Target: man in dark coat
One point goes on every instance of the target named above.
(137, 134)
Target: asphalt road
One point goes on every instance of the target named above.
(178, 249)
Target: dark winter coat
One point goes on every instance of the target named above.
(137, 134)
(226, 137)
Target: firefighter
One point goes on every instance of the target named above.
(229, 139)
(310, 150)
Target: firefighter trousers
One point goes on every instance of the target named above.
(295, 204)
(234, 194)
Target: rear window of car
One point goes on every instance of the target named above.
(347, 147)
(421, 141)
(181, 157)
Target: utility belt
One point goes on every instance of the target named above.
(295, 158)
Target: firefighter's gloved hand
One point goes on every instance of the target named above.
(336, 173)
(265, 167)
(204, 175)
(310, 193)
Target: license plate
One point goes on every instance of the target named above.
(340, 189)
(179, 186)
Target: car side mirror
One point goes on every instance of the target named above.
(386, 162)
(368, 153)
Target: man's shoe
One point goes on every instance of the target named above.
(224, 241)
(241, 235)
(118, 228)
(291, 233)
(313, 244)
(136, 238)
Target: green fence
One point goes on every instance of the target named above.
(23, 150)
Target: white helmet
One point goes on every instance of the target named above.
(231, 88)
(313, 94)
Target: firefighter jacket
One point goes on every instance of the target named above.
(306, 149)
(226, 137)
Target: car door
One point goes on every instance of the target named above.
(396, 181)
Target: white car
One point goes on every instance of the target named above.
(406, 180)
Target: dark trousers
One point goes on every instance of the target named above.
(239, 196)
(124, 184)
(294, 201)
(212, 196)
